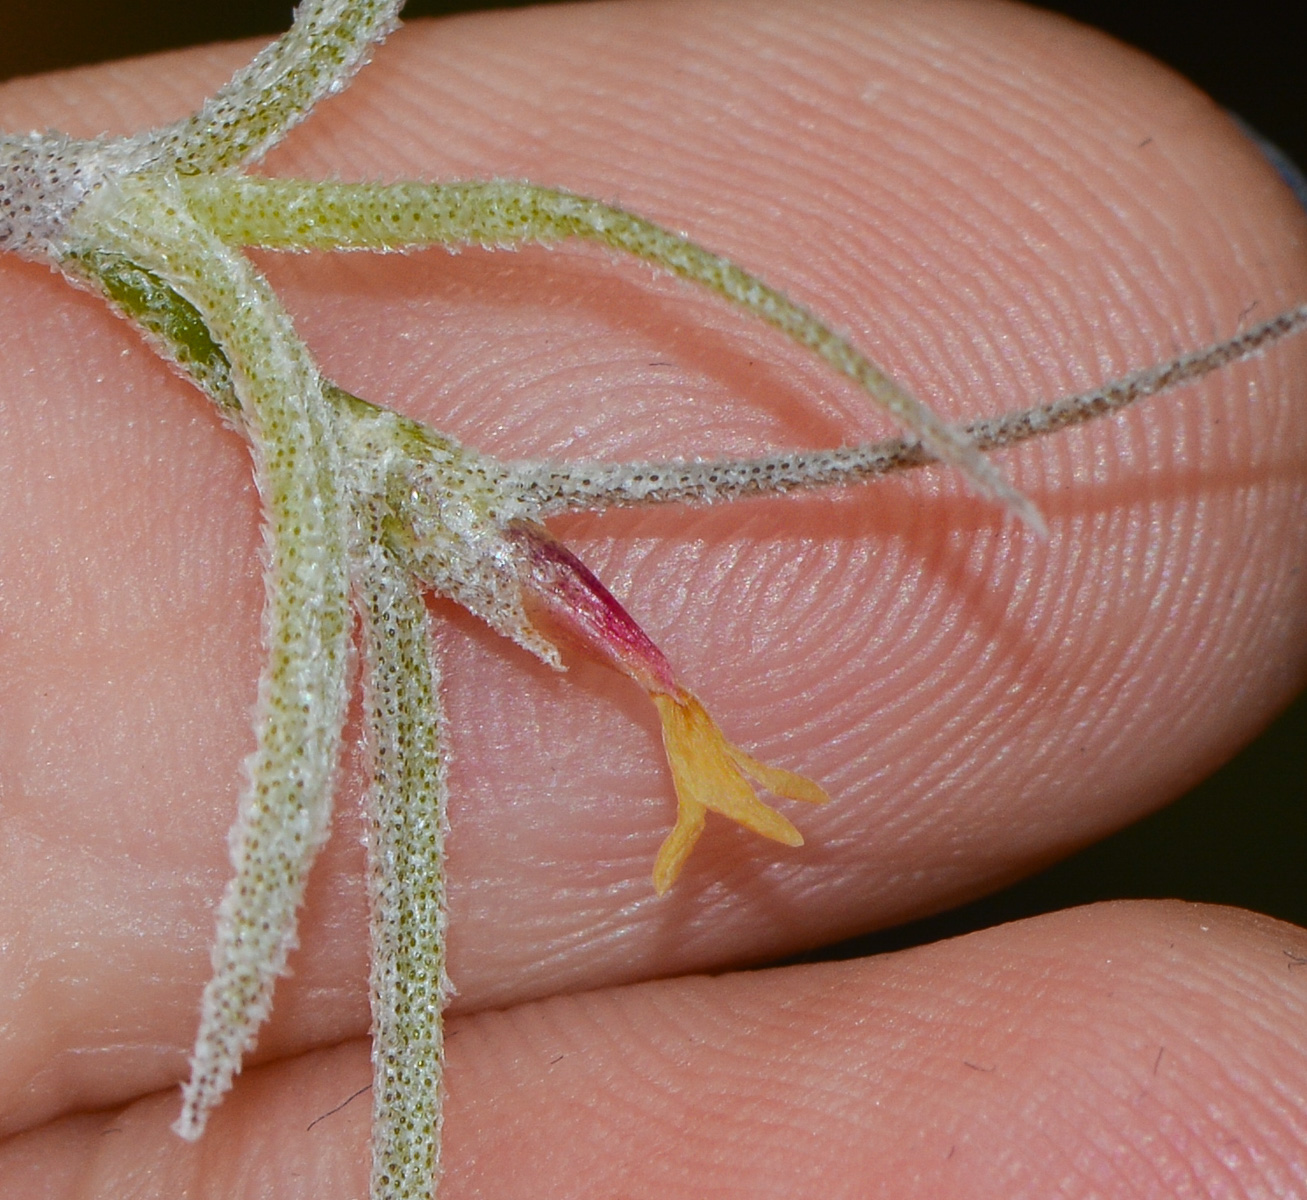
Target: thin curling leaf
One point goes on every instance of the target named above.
(298, 214)
(369, 508)
(328, 42)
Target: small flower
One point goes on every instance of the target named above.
(709, 773)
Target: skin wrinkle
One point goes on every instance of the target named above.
(867, 1049)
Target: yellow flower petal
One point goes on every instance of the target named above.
(708, 773)
(676, 847)
(777, 780)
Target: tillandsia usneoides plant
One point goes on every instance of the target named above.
(365, 511)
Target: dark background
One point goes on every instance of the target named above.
(1241, 837)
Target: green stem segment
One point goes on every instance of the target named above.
(299, 215)
(329, 41)
(284, 815)
(406, 839)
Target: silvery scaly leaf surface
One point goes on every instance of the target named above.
(364, 510)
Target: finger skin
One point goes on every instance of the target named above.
(1129, 1050)
(996, 205)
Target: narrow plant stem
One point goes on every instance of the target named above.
(284, 816)
(301, 215)
(329, 41)
(548, 488)
(406, 822)
(365, 505)
(563, 487)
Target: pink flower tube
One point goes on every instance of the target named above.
(560, 593)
